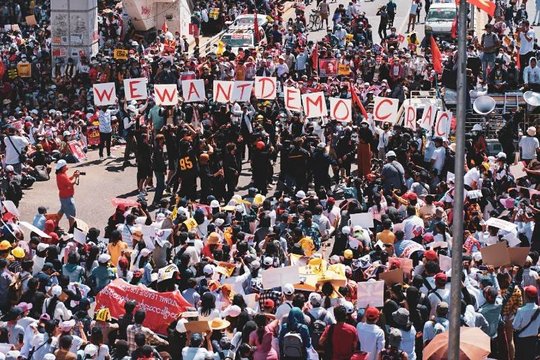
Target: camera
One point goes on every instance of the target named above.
(82, 172)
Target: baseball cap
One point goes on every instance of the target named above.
(208, 269)
(288, 289)
(372, 313)
(531, 291)
(391, 153)
(441, 278)
(315, 299)
(431, 255)
(268, 303)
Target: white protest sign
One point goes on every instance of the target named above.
(370, 293)
(10, 207)
(442, 125)
(32, 228)
(265, 88)
(166, 94)
(501, 224)
(445, 262)
(410, 117)
(251, 301)
(450, 177)
(222, 91)
(512, 239)
(518, 170)
(235, 283)
(193, 90)
(79, 236)
(340, 109)
(104, 94)
(385, 109)
(365, 220)
(242, 91)
(314, 105)
(428, 117)
(292, 99)
(277, 277)
(162, 235)
(135, 89)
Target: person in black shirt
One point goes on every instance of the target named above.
(231, 168)
(159, 167)
(144, 163)
(126, 319)
(187, 168)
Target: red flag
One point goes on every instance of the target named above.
(164, 27)
(486, 5)
(315, 58)
(518, 61)
(436, 56)
(453, 31)
(257, 34)
(356, 100)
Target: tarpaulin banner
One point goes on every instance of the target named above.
(162, 308)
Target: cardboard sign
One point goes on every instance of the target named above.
(235, 284)
(405, 264)
(292, 99)
(392, 277)
(77, 150)
(162, 308)
(276, 277)
(31, 20)
(135, 89)
(518, 255)
(370, 293)
(34, 229)
(222, 91)
(385, 109)
(365, 220)
(495, 255)
(445, 262)
(442, 124)
(500, 224)
(79, 236)
(104, 94)
(242, 91)
(341, 109)
(193, 90)
(517, 170)
(428, 117)
(197, 326)
(265, 88)
(314, 105)
(120, 54)
(83, 226)
(166, 94)
(410, 117)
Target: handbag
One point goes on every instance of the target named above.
(22, 156)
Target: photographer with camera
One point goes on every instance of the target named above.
(66, 191)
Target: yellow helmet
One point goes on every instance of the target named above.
(5, 245)
(258, 199)
(103, 315)
(348, 254)
(18, 252)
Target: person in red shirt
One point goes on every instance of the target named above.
(343, 337)
(66, 191)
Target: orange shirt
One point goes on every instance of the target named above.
(116, 250)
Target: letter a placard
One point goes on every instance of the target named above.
(166, 94)
(385, 109)
(193, 90)
(104, 94)
(135, 89)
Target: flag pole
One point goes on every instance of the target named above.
(457, 246)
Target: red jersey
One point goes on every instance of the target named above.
(65, 187)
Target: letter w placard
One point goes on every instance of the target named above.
(104, 94)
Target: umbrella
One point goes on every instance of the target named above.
(474, 344)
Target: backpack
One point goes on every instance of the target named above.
(316, 329)
(293, 346)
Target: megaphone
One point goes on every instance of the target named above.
(484, 104)
(532, 98)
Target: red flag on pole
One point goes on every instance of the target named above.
(256, 33)
(315, 58)
(356, 100)
(436, 56)
(453, 31)
(485, 5)
(164, 27)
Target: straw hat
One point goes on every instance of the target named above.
(219, 324)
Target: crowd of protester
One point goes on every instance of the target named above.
(309, 180)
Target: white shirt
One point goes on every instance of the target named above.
(409, 224)
(523, 316)
(439, 156)
(531, 75)
(191, 353)
(434, 299)
(371, 338)
(283, 310)
(472, 176)
(528, 146)
(13, 151)
(526, 46)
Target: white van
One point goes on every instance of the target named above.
(440, 18)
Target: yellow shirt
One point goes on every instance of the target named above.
(116, 251)
(386, 236)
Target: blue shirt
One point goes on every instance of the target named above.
(523, 316)
(39, 221)
(105, 120)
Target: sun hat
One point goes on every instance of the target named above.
(401, 316)
(219, 324)
(531, 131)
